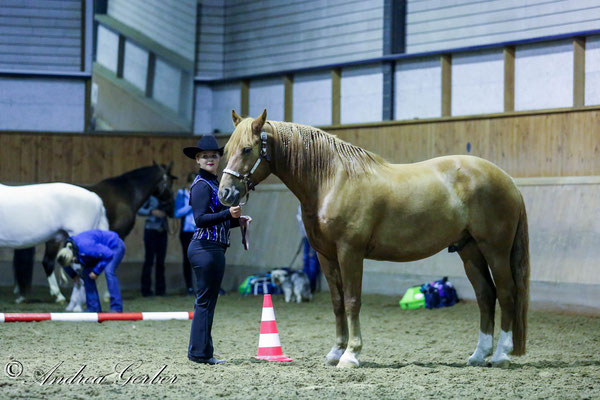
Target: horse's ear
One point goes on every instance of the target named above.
(236, 118)
(153, 162)
(258, 123)
(170, 166)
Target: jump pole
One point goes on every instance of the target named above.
(95, 317)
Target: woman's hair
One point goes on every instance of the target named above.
(65, 255)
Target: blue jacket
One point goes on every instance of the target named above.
(152, 222)
(183, 210)
(95, 248)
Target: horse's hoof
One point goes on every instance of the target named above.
(77, 309)
(19, 300)
(334, 355)
(475, 362)
(501, 362)
(60, 299)
(348, 360)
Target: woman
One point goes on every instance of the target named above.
(207, 248)
(96, 251)
(183, 210)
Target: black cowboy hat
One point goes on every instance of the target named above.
(206, 142)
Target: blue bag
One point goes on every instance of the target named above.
(439, 293)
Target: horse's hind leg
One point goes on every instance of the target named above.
(331, 270)
(505, 287)
(478, 273)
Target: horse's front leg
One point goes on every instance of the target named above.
(331, 270)
(351, 268)
(52, 248)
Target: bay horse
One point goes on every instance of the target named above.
(121, 197)
(356, 205)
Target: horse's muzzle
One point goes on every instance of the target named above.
(229, 196)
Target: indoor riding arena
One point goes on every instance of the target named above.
(375, 147)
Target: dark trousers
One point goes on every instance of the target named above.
(208, 261)
(185, 238)
(155, 243)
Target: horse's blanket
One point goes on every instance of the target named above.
(439, 293)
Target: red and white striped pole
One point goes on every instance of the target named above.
(269, 346)
(95, 317)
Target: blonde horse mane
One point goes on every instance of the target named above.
(309, 150)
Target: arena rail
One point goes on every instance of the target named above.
(96, 317)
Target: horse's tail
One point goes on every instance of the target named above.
(519, 264)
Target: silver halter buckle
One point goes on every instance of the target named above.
(246, 177)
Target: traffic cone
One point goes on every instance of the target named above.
(269, 346)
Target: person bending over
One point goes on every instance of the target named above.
(95, 251)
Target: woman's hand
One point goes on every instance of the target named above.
(236, 211)
(158, 213)
(93, 275)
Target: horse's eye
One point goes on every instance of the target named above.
(246, 150)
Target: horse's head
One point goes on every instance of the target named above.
(249, 157)
(164, 188)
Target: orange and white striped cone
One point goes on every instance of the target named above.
(269, 346)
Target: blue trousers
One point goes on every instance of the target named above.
(312, 268)
(91, 291)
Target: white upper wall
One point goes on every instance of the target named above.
(267, 94)
(135, 65)
(171, 23)
(312, 99)
(361, 94)
(592, 71)
(40, 35)
(49, 105)
(275, 35)
(418, 89)
(225, 97)
(544, 76)
(211, 35)
(167, 84)
(478, 82)
(448, 24)
(107, 48)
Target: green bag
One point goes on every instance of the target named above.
(246, 287)
(413, 299)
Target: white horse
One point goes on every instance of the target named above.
(34, 214)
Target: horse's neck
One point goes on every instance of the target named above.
(143, 191)
(306, 190)
(135, 190)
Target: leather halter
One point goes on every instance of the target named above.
(246, 177)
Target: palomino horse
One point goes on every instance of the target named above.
(48, 212)
(121, 196)
(355, 205)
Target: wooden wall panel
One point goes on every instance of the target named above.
(564, 143)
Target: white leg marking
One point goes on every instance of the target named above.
(484, 349)
(505, 346)
(334, 355)
(54, 289)
(348, 360)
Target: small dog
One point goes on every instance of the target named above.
(295, 285)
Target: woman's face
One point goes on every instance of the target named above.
(208, 161)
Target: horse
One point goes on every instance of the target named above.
(121, 197)
(356, 205)
(47, 212)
